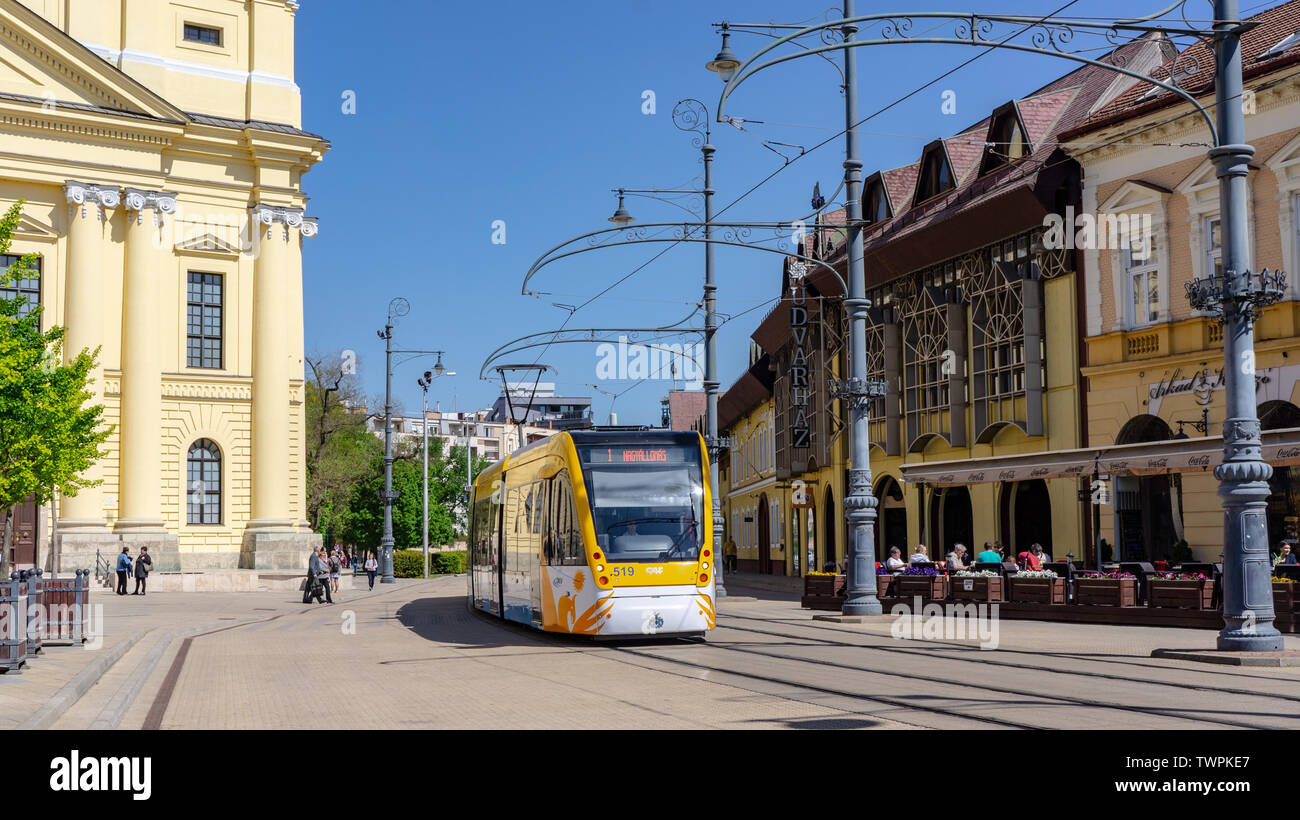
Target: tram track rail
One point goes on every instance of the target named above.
(951, 685)
(981, 656)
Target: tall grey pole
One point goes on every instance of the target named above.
(1243, 476)
(424, 425)
(860, 503)
(711, 363)
(386, 542)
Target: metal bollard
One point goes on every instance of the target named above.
(13, 618)
(35, 622)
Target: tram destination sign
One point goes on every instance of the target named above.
(636, 455)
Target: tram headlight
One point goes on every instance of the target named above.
(705, 565)
(600, 568)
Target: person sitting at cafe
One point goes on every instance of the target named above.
(956, 558)
(920, 556)
(989, 555)
(1285, 555)
(1029, 558)
(895, 564)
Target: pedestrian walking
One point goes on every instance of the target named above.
(143, 566)
(372, 566)
(123, 569)
(336, 566)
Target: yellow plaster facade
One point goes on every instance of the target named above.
(1150, 371)
(145, 156)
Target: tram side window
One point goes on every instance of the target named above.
(564, 523)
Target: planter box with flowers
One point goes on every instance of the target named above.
(925, 583)
(1286, 596)
(983, 586)
(1106, 589)
(1036, 586)
(1186, 590)
(824, 583)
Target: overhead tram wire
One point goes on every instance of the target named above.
(891, 105)
(790, 162)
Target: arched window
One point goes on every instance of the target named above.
(203, 476)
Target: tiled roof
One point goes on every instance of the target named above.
(752, 388)
(1196, 68)
(259, 125)
(1046, 112)
(965, 151)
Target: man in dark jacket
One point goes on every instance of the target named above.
(123, 569)
(143, 566)
(318, 579)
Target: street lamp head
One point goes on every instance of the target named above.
(438, 368)
(428, 377)
(726, 63)
(621, 217)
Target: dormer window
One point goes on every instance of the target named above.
(202, 34)
(875, 202)
(936, 174)
(1006, 141)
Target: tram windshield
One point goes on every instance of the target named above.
(647, 502)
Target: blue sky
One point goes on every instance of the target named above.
(528, 112)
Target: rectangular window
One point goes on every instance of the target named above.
(1144, 285)
(202, 34)
(28, 289)
(1213, 246)
(205, 321)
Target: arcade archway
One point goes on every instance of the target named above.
(1148, 509)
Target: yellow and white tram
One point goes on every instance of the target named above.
(601, 533)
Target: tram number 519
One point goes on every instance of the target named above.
(622, 572)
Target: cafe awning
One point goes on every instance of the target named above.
(1191, 455)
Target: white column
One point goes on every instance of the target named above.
(141, 415)
(88, 242)
(274, 323)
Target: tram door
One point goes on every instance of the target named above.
(490, 577)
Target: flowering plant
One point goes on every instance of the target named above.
(1036, 573)
(1182, 576)
(920, 571)
(983, 573)
(1278, 580)
(1114, 574)
(829, 574)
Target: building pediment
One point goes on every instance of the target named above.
(207, 243)
(29, 227)
(43, 65)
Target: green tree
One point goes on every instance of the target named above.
(49, 436)
(363, 523)
(341, 452)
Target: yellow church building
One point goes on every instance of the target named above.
(159, 151)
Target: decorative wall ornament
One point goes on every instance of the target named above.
(80, 193)
(270, 215)
(137, 202)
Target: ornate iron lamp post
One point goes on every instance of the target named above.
(397, 308)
